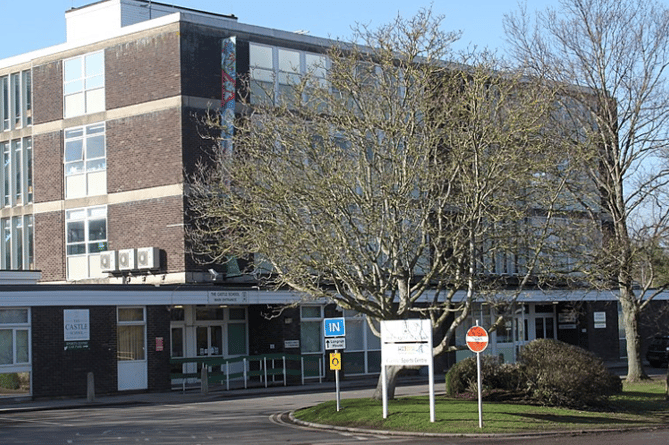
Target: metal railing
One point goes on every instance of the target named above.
(264, 367)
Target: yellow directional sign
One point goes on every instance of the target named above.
(335, 361)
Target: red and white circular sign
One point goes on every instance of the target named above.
(477, 339)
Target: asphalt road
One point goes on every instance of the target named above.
(251, 420)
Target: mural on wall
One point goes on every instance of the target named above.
(228, 85)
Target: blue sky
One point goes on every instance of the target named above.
(34, 24)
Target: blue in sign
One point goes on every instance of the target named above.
(334, 327)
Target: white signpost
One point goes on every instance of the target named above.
(477, 341)
(406, 343)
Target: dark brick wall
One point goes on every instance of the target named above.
(47, 92)
(142, 70)
(57, 372)
(50, 245)
(144, 151)
(158, 326)
(149, 223)
(201, 62)
(48, 167)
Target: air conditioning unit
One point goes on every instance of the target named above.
(148, 258)
(109, 261)
(127, 259)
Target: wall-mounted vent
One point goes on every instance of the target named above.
(148, 258)
(109, 261)
(127, 259)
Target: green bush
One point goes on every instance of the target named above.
(10, 381)
(558, 374)
(462, 377)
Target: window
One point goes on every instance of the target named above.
(16, 248)
(15, 100)
(86, 237)
(14, 337)
(17, 172)
(131, 340)
(310, 329)
(84, 85)
(274, 71)
(85, 161)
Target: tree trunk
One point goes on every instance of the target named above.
(635, 371)
(392, 372)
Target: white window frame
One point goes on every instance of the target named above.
(87, 87)
(279, 75)
(16, 175)
(17, 366)
(93, 168)
(84, 260)
(16, 246)
(15, 100)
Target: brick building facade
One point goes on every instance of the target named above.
(97, 136)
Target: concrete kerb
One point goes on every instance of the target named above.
(557, 433)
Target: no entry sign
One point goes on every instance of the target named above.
(477, 339)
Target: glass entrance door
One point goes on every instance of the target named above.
(209, 341)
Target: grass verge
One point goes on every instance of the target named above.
(640, 404)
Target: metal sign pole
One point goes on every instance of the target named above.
(478, 369)
(337, 383)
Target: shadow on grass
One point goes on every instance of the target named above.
(574, 420)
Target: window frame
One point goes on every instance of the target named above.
(79, 85)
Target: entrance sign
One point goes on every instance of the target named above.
(406, 343)
(76, 328)
(477, 339)
(335, 343)
(334, 327)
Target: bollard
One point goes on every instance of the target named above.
(204, 378)
(90, 387)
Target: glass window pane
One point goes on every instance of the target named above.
(94, 64)
(97, 230)
(75, 232)
(237, 314)
(355, 334)
(177, 342)
(260, 56)
(130, 342)
(95, 82)
(315, 64)
(310, 336)
(13, 316)
(95, 100)
(289, 60)
(22, 355)
(208, 313)
(76, 249)
(72, 69)
(73, 87)
(96, 165)
(311, 312)
(74, 150)
(236, 339)
(74, 105)
(130, 314)
(95, 147)
(6, 347)
(74, 133)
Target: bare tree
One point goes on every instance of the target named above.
(612, 57)
(391, 185)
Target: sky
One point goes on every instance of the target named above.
(34, 24)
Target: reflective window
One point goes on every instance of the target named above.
(84, 85)
(85, 161)
(86, 237)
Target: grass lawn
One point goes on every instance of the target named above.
(640, 404)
